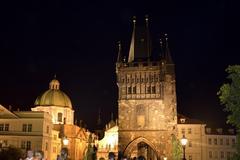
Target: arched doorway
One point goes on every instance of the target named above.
(142, 149)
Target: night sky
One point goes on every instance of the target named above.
(78, 42)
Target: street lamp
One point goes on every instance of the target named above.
(164, 158)
(184, 141)
(65, 141)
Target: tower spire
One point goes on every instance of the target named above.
(147, 36)
(161, 49)
(167, 55)
(132, 46)
(119, 58)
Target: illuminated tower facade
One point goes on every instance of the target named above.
(147, 111)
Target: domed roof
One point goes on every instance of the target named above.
(53, 97)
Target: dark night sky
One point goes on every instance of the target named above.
(77, 41)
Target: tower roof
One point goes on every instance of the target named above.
(140, 43)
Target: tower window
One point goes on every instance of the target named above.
(153, 89)
(134, 90)
(148, 90)
(59, 117)
(129, 90)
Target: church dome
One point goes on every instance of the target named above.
(53, 97)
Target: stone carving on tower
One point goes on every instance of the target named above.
(147, 111)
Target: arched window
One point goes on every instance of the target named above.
(59, 117)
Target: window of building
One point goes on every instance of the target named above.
(23, 144)
(210, 154)
(190, 144)
(190, 157)
(183, 130)
(134, 90)
(222, 154)
(215, 141)
(227, 141)
(189, 131)
(215, 154)
(6, 127)
(221, 141)
(5, 142)
(29, 128)
(59, 117)
(209, 141)
(24, 127)
(47, 129)
(28, 145)
(153, 89)
(233, 142)
(129, 90)
(1, 127)
(54, 149)
(228, 155)
(46, 146)
(148, 89)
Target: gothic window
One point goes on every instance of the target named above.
(134, 90)
(129, 90)
(148, 89)
(153, 89)
(59, 117)
(183, 130)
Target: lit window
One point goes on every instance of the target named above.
(59, 117)
(24, 127)
(6, 127)
(29, 128)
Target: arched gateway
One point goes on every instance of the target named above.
(147, 112)
(141, 147)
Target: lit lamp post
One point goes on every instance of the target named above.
(164, 158)
(184, 143)
(65, 141)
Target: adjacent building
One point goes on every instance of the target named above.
(46, 126)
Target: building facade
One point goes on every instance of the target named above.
(46, 126)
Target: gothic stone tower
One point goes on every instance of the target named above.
(147, 110)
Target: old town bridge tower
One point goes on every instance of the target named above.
(147, 112)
